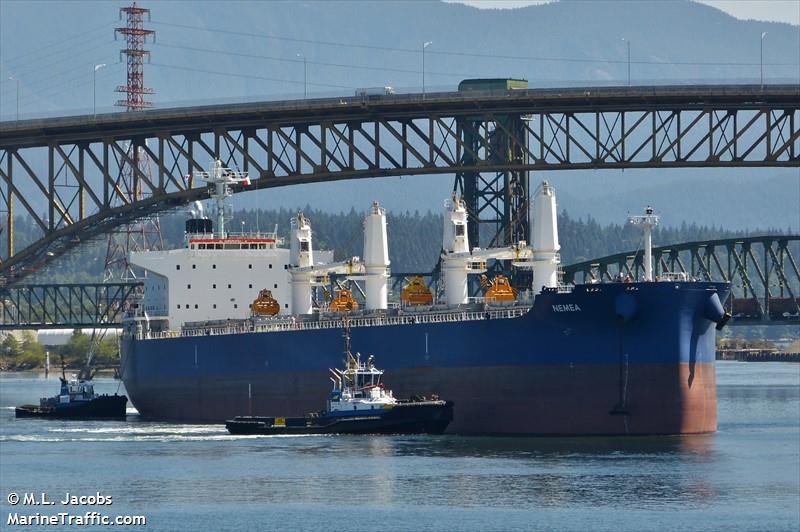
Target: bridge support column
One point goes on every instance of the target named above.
(496, 201)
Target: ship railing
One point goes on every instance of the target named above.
(672, 276)
(292, 324)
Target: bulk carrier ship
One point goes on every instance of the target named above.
(627, 357)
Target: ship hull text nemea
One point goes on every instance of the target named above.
(627, 357)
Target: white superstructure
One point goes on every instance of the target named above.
(217, 274)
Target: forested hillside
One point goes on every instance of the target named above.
(414, 239)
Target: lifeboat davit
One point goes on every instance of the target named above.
(265, 304)
(416, 293)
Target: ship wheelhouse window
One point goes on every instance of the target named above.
(218, 246)
(201, 246)
(262, 246)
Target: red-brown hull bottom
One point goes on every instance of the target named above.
(536, 399)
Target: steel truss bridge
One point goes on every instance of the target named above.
(65, 173)
(47, 306)
(763, 272)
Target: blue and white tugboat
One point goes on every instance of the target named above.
(359, 403)
(76, 400)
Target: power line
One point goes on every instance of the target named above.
(42, 72)
(83, 33)
(468, 54)
(249, 76)
(310, 62)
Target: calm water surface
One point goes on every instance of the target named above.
(197, 477)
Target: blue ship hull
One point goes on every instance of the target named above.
(617, 358)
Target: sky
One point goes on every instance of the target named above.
(769, 10)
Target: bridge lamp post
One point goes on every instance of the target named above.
(305, 75)
(626, 41)
(94, 87)
(763, 34)
(424, 45)
(12, 78)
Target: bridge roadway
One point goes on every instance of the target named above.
(89, 128)
(93, 181)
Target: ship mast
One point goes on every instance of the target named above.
(647, 222)
(221, 179)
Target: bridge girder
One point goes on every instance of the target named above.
(67, 167)
(48, 306)
(763, 272)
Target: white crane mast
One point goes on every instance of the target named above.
(376, 259)
(545, 238)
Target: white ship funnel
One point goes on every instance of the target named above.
(376, 258)
(545, 238)
(454, 235)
